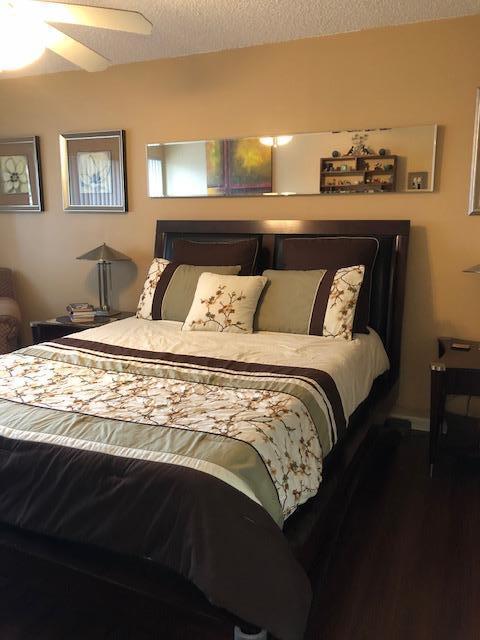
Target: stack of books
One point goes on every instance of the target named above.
(81, 312)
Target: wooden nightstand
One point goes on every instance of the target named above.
(455, 372)
(44, 330)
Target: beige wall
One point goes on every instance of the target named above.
(417, 74)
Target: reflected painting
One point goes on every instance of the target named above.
(249, 166)
(238, 167)
(214, 150)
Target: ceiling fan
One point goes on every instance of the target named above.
(26, 31)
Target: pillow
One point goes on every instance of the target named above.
(287, 301)
(242, 252)
(144, 308)
(224, 303)
(315, 302)
(332, 253)
(169, 289)
(338, 321)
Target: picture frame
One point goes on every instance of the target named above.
(20, 175)
(474, 194)
(93, 172)
(417, 181)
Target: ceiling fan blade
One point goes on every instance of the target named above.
(99, 17)
(74, 51)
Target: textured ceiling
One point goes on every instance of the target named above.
(183, 27)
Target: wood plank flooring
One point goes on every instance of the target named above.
(406, 567)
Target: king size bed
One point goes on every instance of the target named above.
(207, 470)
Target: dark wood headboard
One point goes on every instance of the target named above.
(388, 281)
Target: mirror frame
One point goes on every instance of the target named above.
(474, 210)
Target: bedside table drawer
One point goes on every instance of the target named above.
(463, 382)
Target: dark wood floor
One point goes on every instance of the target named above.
(407, 567)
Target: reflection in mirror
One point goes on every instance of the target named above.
(336, 162)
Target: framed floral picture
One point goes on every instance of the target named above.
(20, 179)
(93, 171)
(474, 197)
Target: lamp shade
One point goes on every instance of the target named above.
(104, 253)
(474, 269)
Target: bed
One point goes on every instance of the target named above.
(92, 477)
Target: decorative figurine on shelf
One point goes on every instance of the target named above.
(335, 154)
(358, 147)
(382, 152)
(378, 166)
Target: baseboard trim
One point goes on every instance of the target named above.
(418, 423)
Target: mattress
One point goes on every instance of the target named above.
(186, 449)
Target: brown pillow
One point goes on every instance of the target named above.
(332, 253)
(242, 252)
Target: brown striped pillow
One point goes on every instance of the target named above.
(170, 287)
(315, 302)
(242, 252)
(332, 253)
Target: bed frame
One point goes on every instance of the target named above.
(115, 579)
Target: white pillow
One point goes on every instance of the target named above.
(224, 303)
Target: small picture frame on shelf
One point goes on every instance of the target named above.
(417, 180)
(93, 171)
(20, 175)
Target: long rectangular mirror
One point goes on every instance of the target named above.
(384, 160)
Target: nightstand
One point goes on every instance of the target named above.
(44, 330)
(455, 372)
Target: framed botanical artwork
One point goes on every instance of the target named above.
(474, 199)
(20, 177)
(93, 171)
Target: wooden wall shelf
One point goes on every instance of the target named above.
(358, 174)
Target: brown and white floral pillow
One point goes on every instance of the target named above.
(225, 303)
(144, 309)
(342, 302)
(169, 289)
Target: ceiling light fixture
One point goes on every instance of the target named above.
(22, 39)
(26, 31)
(275, 141)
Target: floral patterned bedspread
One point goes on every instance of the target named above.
(188, 462)
(262, 429)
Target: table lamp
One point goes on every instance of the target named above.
(104, 256)
(474, 269)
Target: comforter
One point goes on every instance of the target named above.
(189, 461)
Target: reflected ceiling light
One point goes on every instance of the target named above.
(275, 141)
(22, 38)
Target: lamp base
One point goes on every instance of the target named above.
(104, 313)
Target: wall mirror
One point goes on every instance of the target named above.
(386, 160)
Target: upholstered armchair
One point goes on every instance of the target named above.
(9, 313)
